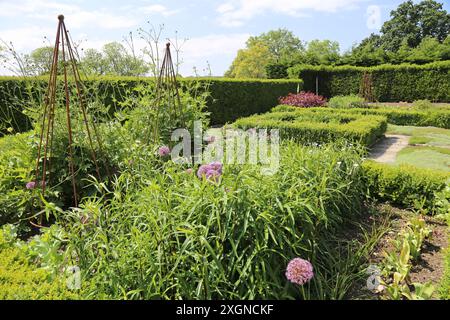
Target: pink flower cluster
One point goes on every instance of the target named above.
(211, 171)
(164, 151)
(303, 99)
(33, 184)
(299, 271)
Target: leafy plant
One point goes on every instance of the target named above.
(344, 102)
(303, 99)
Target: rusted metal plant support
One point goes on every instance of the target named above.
(167, 93)
(64, 47)
(366, 88)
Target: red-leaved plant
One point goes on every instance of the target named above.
(303, 99)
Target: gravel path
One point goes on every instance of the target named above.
(386, 149)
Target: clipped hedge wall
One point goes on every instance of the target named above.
(404, 185)
(390, 83)
(319, 126)
(230, 98)
(436, 118)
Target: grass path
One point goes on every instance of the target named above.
(427, 147)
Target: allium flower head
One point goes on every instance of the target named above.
(164, 151)
(211, 171)
(299, 271)
(189, 170)
(31, 185)
(217, 166)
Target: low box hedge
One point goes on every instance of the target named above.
(404, 185)
(319, 126)
(434, 118)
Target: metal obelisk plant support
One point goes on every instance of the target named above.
(64, 47)
(167, 93)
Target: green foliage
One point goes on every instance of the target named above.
(318, 125)
(435, 117)
(389, 82)
(164, 233)
(444, 288)
(250, 63)
(416, 33)
(229, 99)
(414, 22)
(398, 263)
(404, 185)
(276, 71)
(16, 162)
(422, 105)
(21, 279)
(321, 52)
(345, 102)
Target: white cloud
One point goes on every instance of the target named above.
(27, 38)
(76, 17)
(159, 9)
(236, 12)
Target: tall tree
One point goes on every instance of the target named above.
(322, 52)
(40, 60)
(414, 22)
(282, 44)
(250, 62)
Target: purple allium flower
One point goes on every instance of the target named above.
(211, 171)
(212, 175)
(217, 166)
(299, 271)
(202, 170)
(163, 151)
(31, 185)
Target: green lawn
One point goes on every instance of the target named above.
(429, 147)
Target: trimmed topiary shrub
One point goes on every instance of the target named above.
(404, 185)
(435, 118)
(319, 125)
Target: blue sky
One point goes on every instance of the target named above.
(216, 29)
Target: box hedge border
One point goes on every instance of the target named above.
(404, 185)
(434, 118)
(312, 126)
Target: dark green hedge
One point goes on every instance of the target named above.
(319, 126)
(404, 185)
(435, 118)
(230, 98)
(390, 83)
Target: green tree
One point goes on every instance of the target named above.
(250, 62)
(117, 61)
(92, 62)
(283, 45)
(40, 60)
(414, 22)
(429, 50)
(322, 52)
(369, 52)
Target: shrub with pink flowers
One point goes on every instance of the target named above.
(303, 99)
